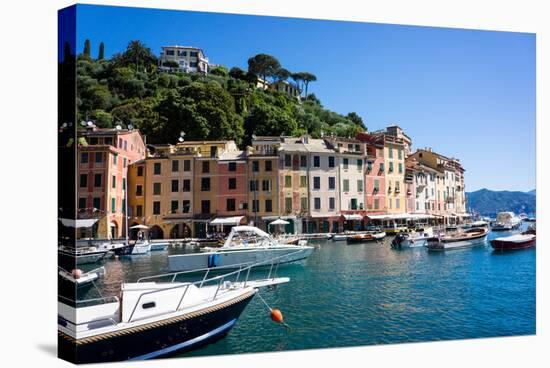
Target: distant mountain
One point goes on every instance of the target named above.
(489, 202)
(532, 192)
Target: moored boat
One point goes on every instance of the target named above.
(153, 319)
(367, 237)
(244, 245)
(138, 247)
(159, 246)
(526, 239)
(415, 239)
(80, 255)
(457, 240)
(506, 221)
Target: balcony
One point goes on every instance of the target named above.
(450, 199)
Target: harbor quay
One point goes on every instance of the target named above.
(330, 184)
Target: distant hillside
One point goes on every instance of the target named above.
(489, 202)
(532, 192)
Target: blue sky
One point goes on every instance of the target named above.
(465, 93)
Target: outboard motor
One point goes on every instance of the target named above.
(396, 242)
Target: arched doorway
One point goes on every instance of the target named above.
(186, 231)
(114, 229)
(174, 232)
(156, 232)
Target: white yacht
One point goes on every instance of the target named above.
(506, 221)
(151, 318)
(244, 245)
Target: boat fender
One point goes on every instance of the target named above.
(76, 273)
(209, 260)
(215, 260)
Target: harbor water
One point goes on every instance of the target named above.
(364, 294)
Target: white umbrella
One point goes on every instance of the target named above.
(279, 222)
(139, 227)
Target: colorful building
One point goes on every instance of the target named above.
(161, 192)
(375, 183)
(232, 191)
(324, 186)
(294, 182)
(264, 181)
(103, 159)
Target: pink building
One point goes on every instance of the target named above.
(375, 183)
(103, 159)
(232, 190)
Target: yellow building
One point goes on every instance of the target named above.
(263, 179)
(161, 192)
(394, 162)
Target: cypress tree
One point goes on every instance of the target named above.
(87, 48)
(101, 55)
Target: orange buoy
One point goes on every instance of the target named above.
(76, 273)
(276, 316)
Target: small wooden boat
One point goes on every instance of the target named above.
(526, 239)
(362, 238)
(457, 240)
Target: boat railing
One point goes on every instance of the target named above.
(273, 263)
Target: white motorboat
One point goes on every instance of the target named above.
(244, 245)
(456, 240)
(136, 248)
(416, 239)
(506, 221)
(80, 255)
(158, 246)
(151, 319)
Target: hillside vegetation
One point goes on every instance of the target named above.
(225, 104)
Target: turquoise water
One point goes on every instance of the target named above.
(363, 294)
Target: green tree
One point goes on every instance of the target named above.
(263, 65)
(139, 55)
(86, 51)
(355, 119)
(266, 119)
(307, 78)
(101, 54)
(281, 74)
(220, 71)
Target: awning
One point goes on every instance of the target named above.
(139, 227)
(78, 223)
(235, 220)
(269, 218)
(279, 222)
(463, 215)
(353, 217)
(401, 216)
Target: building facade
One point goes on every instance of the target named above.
(264, 181)
(189, 59)
(103, 159)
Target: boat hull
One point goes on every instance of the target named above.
(411, 243)
(68, 259)
(228, 259)
(160, 339)
(502, 245)
(460, 244)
